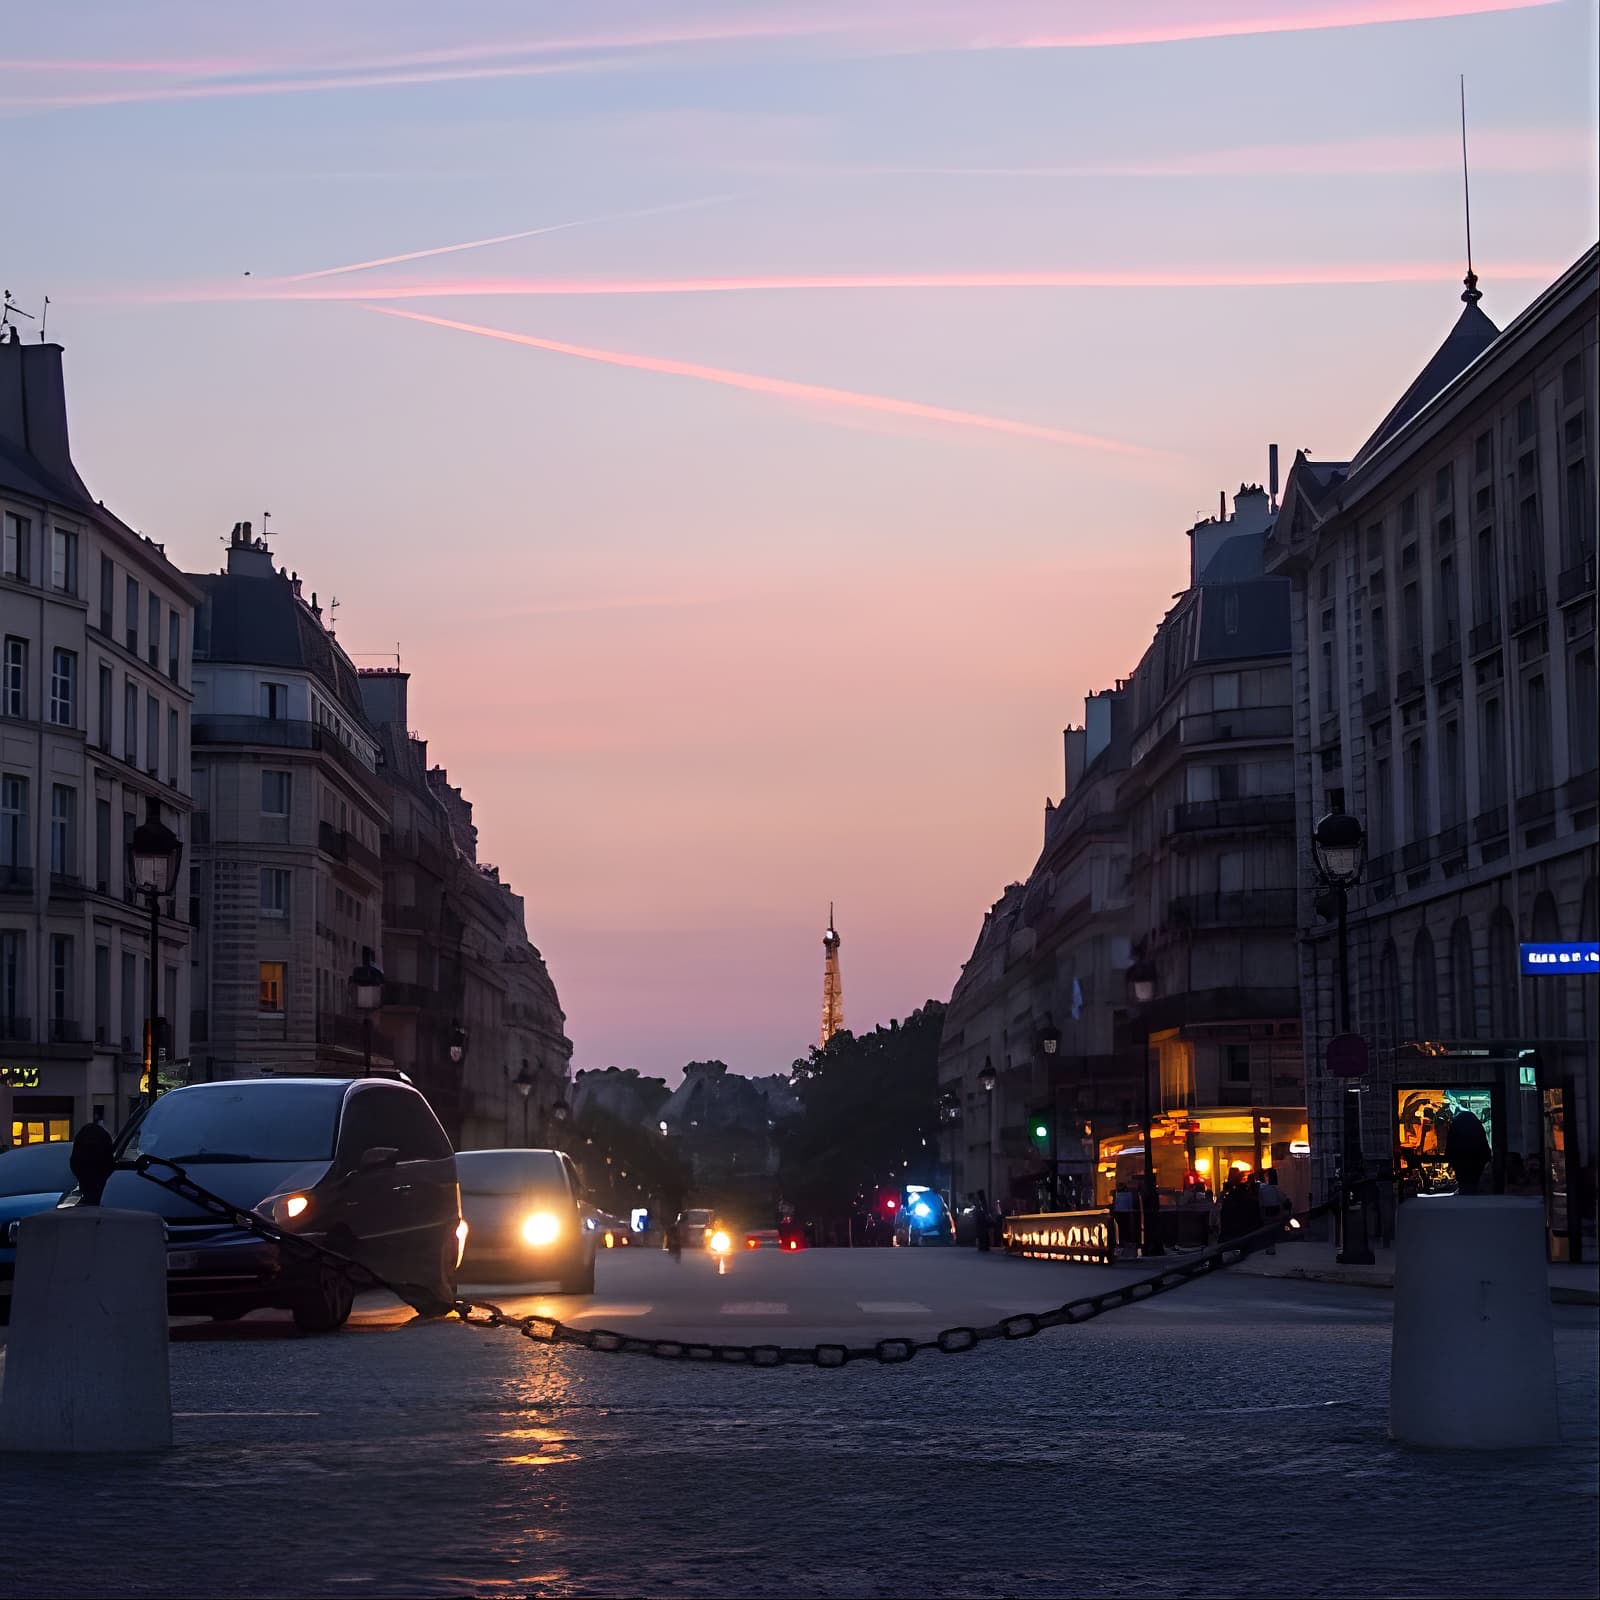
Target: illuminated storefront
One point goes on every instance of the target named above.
(1203, 1146)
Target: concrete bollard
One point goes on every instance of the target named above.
(1472, 1364)
(86, 1360)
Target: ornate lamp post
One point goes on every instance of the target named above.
(986, 1079)
(523, 1083)
(1341, 846)
(366, 990)
(155, 853)
(1141, 991)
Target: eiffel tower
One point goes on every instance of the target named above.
(832, 990)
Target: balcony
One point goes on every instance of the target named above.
(1381, 866)
(1201, 1006)
(1254, 908)
(1452, 841)
(1576, 583)
(66, 886)
(16, 880)
(1494, 823)
(1247, 722)
(413, 919)
(278, 733)
(1245, 811)
(66, 1039)
(1582, 790)
(1528, 609)
(1375, 704)
(1445, 660)
(345, 848)
(1415, 854)
(1485, 637)
(1536, 807)
(432, 855)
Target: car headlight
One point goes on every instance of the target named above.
(720, 1242)
(286, 1208)
(543, 1227)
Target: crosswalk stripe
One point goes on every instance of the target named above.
(755, 1308)
(894, 1308)
(609, 1311)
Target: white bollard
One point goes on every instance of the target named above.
(86, 1360)
(1472, 1364)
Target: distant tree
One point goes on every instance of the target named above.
(868, 1113)
(625, 1164)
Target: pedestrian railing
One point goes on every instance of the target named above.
(1062, 1236)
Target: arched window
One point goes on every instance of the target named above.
(1463, 985)
(1389, 996)
(1548, 994)
(1424, 987)
(1502, 975)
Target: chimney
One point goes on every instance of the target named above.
(1272, 475)
(383, 697)
(33, 411)
(1222, 505)
(294, 579)
(247, 557)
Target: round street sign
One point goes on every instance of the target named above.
(1347, 1056)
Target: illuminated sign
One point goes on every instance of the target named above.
(1562, 959)
(20, 1077)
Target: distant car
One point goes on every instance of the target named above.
(695, 1228)
(360, 1165)
(611, 1232)
(33, 1177)
(763, 1239)
(526, 1218)
(923, 1218)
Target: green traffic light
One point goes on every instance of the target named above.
(1040, 1131)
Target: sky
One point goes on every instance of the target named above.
(757, 426)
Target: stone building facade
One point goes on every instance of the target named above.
(290, 814)
(1445, 694)
(95, 699)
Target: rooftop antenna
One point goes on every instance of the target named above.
(1470, 294)
(333, 606)
(44, 318)
(9, 310)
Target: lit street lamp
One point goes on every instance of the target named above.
(1141, 991)
(986, 1078)
(458, 1044)
(366, 990)
(155, 853)
(1340, 844)
(523, 1082)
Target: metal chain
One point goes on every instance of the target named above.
(887, 1352)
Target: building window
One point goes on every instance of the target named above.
(130, 723)
(1486, 598)
(130, 619)
(172, 748)
(275, 701)
(1583, 715)
(63, 830)
(130, 997)
(15, 846)
(14, 687)
(13, 983)
(274, 793)
(1492, 756)
(1447, 620)
(108, 590)
(105, 708)
(272, 986)
(174, 643)
(64, 561)
(102, 994)
(1536, 735)
(62, 976)
(1450, 776)
(64, 689)
(1383, 805)
(153, 642)
(274, 891)
(1463, 992)
(1417, 788)
(152, 735)
(1380, 651)
(1238, 1062)
(18, 536)
(102, 846)
(1424, 987)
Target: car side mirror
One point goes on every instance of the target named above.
(379, 1156)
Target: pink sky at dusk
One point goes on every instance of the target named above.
(759, 425)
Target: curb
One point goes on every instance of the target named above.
(1560, 1294)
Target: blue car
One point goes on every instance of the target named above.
(33, 1177)
(923, 1218)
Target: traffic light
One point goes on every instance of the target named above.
(1039, 1131)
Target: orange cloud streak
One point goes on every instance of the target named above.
(787, 389)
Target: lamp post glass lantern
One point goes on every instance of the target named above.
(458, 1044)
(366, 990)
(1141, 991)
(1340, 844)
(155, 853)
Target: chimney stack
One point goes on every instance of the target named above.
(33, 409)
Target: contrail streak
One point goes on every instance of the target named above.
(502, 238)
(787, 389)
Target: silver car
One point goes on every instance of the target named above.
(526, 1220)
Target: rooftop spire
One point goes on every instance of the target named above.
(1470, 294)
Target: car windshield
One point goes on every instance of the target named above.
(37, 1169)
(697, 1219)
(510, 1172)
(253, 1121)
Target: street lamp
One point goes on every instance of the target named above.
(458, 1044)
(523, 1083)
(1340, 845)
(155, 853)
(1141, 991)
(986, 1078)
(366, 990)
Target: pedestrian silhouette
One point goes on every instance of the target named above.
(92, 1162)
(1466, 1151)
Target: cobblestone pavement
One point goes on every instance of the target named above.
(1226, 1439)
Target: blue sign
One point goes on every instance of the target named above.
(1538, 959)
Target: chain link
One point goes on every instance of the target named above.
(551, 1330)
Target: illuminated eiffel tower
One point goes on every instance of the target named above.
(832, 990)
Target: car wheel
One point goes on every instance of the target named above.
(580, 1281)
(446, 1287)
(326, 1306)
